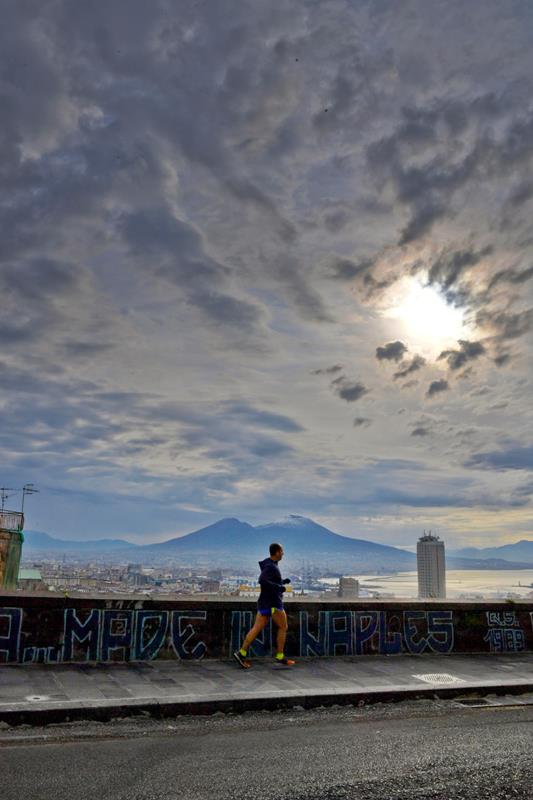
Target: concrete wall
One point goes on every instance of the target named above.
(10, 552)
(54, 629)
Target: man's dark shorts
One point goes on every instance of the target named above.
(267, 612)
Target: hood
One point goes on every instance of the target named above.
(266, 561)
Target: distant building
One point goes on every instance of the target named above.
(348, 587)
(431, 567)
(31, 580)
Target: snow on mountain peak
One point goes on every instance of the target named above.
(293, 521)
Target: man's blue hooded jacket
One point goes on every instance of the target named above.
(272, 588)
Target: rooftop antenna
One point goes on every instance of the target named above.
(28, 488)
(5, 492)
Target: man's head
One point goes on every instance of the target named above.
(276, 551)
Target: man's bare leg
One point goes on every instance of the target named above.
(280, 618)
(260, 623)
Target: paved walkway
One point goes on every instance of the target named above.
(45, 693)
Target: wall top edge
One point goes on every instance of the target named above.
(53, 599)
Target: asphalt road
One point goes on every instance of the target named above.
(416, 750)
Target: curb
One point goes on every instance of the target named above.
(103, 711)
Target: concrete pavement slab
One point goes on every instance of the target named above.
(40, 693)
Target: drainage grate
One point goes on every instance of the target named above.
(438, 677)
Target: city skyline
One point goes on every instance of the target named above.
(275, 260)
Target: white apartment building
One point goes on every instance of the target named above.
(431, 567)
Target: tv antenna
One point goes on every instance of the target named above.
(28, 488)
(5, 492)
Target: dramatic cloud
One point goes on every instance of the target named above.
(468, 351)
(348, 390)
(436, 387)
(393, 351)
(328, 370)
(416, 363)
(419, 430)
(205, 209)
(515, 457)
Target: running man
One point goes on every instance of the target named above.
(270, 604)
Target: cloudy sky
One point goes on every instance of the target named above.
(268, 258)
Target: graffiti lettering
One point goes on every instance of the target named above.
(85, 632)
(504, 633)
(150, 633)
(10, 629)
(123, 631)
(182, 634)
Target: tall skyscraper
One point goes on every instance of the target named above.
(431, 566)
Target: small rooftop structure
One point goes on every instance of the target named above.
(11, 539)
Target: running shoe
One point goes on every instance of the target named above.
(285, 662)
(244, 662)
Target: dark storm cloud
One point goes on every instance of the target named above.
(514, 457)
(328, 370)
(468, 351)
(176, 251)
(502, 359)
(348, 390)
(336, 219)
(360, 422)
(506, 325)
(35, 296)
(138, 114)
(392, 351)
(419, 430)
(264, 447)
(416, 363)
(436, 387)
(427, 189)
(512, 276)
(86, 349)
(449, 266)
(344, 269)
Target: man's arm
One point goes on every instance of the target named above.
(265, 578)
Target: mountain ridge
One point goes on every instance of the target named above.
(230, 541)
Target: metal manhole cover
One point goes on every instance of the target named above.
(438, 677)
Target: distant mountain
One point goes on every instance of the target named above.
(234, 543)
(37, 540)
(221, 537)
(518, 552)
(453, 562)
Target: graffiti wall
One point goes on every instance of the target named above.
(54, 630)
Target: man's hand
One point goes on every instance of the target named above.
(286, 580)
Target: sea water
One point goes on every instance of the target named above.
(490, 583)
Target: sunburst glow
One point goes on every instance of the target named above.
(428, 321)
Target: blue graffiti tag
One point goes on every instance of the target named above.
(117, 633)
(146, 649)
(87, 633)
(440, 632)
(181, 635)
(10, 641)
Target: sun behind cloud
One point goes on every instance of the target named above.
(426, 320)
